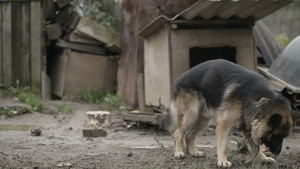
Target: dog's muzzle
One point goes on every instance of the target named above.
(274, 144)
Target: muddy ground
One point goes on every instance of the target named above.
(127, 145)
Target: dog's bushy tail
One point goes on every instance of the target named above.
(170, 121)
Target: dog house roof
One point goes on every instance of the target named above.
(222, 9)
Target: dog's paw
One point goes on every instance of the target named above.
(268, 160)
(198, 154)
(224, 164)
(179, 155)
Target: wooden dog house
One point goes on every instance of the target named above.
(209, 29)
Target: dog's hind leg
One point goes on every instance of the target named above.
(184, 126)
(191, 136)
(187, 105)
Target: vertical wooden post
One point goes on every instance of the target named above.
(25, 45)
(7, 65)
(36, 42)
(141, 92)
(16, 42)
(1, 44)
(46, 86)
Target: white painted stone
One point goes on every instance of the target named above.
(97, 119)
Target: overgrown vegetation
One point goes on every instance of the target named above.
(108, 101)
(105, 12)
(9, 111)
(30, 96)
(283, 40)
(35, 101)
(242, 147)
(64, 109)
(91, 95)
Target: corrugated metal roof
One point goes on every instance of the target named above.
(221, 9)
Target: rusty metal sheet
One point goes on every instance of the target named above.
(224, 9)
(286, 66)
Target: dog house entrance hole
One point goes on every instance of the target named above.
(199, 55)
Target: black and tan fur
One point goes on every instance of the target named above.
(236, 98)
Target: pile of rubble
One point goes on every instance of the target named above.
(81, 54)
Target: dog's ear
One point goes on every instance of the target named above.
(295, 115)
(275, 120)
(263, 100)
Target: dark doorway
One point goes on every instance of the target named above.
(199, 55)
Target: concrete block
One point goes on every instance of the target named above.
(94, 133)
(97, 119)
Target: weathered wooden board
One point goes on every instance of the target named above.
(93, 49)
(63, 3)
(25, 45)
(54, 31)
(46, 86)
(36, 42)
(49, 9)
(157, 68)
(113, 49)
(7, 50)
(1, 45)
(20, 43)
(57, 72)
(64, 16)
(87, 71)
(16, 46)
(77, 37)
(72, 21)
(98, 32)
(136, 15)
(141, 92)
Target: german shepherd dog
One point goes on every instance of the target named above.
(238, 99)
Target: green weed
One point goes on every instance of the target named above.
(112, 101)
(12, 111)
(64, 109)
(91, 95)
(109, 101)
(283, 40)
(33, 100)
(242, 147)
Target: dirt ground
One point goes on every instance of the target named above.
(127, 145)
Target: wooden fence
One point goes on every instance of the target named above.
(21, 58)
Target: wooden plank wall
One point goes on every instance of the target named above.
(21, 43)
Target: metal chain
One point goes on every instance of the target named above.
(168, 155)
(243, 146)
(182, 164)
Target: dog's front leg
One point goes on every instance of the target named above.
(260, 156)
(222, 132)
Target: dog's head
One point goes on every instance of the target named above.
(272, 124)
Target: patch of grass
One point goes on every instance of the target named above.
(91, 95)
(35, 101)
(148, 109)
(242, 147)
(12, 111)
(111, 101)
(64, 109)
(283, 40)
(30, 96)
